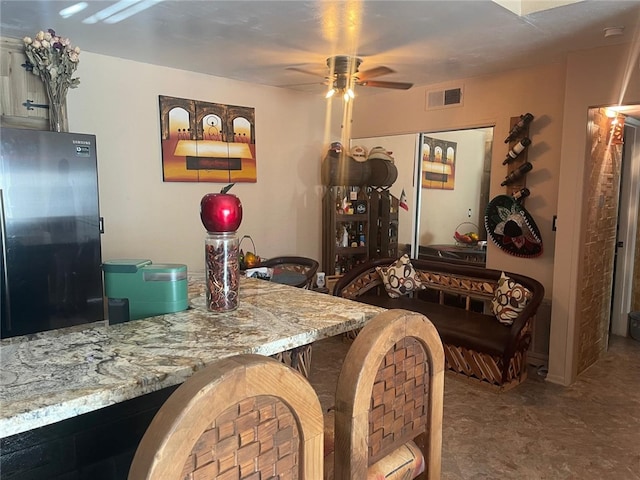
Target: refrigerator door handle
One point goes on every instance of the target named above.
(101, 224)
(5, 276)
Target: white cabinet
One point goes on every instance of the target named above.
(18, 87)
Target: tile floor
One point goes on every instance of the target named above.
(538, 430)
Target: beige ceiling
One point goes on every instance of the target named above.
(425, 42)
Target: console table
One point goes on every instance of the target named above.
(473, 255)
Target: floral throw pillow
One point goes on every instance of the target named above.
(400, 278)
(509, 299)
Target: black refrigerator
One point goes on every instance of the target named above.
(50, 229)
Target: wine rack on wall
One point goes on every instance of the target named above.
(516, 160)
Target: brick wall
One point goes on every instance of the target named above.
(599, 239)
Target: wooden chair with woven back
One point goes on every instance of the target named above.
(388, 409)
(244, 417)
(295, 271)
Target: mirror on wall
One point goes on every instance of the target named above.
(445, 176)
(403, 149)
(452, 193)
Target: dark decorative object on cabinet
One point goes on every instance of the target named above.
(338, 168)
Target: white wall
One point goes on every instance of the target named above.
(145, 217)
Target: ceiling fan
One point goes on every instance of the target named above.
(344, 74)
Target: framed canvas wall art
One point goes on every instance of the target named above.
(207, 142)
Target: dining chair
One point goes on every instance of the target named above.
(387, 420)
(295, 271)
(243, 417)
(298, 272)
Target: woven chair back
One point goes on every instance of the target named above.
(245, 417)
(390, 391)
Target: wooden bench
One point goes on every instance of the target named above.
(457, 300)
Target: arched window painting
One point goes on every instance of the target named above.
(207, 142)
(241, 130)
(179, 123)
(438, 164)
(212, 127)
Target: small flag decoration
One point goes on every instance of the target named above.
(403, 201)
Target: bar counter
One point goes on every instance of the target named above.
(60, 374)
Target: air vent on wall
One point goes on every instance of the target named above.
(450, 97)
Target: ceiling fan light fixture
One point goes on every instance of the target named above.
(344, 74)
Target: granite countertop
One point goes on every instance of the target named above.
(52, 376)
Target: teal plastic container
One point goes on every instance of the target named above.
(147, 288)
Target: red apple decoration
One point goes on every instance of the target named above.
(221, 212)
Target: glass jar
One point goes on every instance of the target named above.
(222, 271)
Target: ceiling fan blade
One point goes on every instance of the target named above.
(380, 84)
(373, 72)
(308, 72)
(306, 84)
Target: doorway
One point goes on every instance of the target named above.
(626, 260)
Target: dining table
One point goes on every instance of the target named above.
(55, 375)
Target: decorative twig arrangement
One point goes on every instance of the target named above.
(222, 274)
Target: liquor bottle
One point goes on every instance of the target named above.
(361, 236)
(521, 194)
(517, 149)
(517, 173)
(353, 238)
(518, 127)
